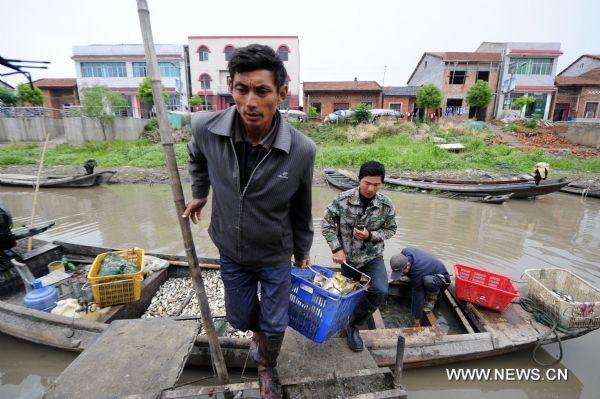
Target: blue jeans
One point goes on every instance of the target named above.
(244, 310)
(378, 288)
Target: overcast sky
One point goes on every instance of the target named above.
(339, 40)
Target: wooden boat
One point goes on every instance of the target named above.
(339, 180)
(523, 189)
(57, 181)
(482, 333)
(584, 191)
(344, 180)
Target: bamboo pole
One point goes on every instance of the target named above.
(186, 232)
(37, 190)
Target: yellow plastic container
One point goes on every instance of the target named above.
(56, 265)
(120, 288)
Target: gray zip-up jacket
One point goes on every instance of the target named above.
(271, 218)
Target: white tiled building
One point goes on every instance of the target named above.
(122, 67)
(208, 66)
(527, 69)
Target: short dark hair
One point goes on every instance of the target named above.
(372, 168)
(257, 56)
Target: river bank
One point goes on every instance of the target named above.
(137, 175)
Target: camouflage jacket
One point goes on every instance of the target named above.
(345, 212)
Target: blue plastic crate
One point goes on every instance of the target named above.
(317, 313)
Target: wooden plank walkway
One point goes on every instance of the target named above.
(331, 370)
(139, 357)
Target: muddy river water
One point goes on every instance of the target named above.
(558, 230)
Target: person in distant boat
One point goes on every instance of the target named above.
(355, 225)
(260, 169)
(540, 172)
(428, 277)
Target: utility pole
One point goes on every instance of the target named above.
(383, 84)
(167, 142)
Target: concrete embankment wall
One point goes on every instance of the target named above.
(30, 129)
(584, 133)
(75, 130)
(79, 130)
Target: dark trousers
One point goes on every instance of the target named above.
(244, 310)
(378, 288)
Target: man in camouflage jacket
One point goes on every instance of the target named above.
(355, 225)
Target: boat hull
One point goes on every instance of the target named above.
(57, 181)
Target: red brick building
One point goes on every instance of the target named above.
(578, 90)
(401, 99)
(454, 73)
(58, 92)
(328, 97)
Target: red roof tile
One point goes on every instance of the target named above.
(55, 82)
(467, 56)
(342, 86)
(590, 78)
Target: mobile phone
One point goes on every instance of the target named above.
(360, 226)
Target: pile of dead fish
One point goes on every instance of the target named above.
(177, 297)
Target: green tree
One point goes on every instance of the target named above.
(28, 94)
(145, 91)
(7, 98)
(100, 103)
(195, 101)
(521, 102)
(312, 112)
(429, 96)
(480, 96)
(362, 113)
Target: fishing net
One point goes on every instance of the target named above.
(115, 264)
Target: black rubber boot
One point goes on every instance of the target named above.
(264, 351)
(363, 310)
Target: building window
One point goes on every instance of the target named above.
(204, 81)
(396, 107)
(203, 53)
(454, 102)
(483, 75)
(457, 77)
(340, 106)
(283, 52)
(139, 69)
(166, 69)
(317, 107)
(174, 102)
(103, 70)
(228, 52)
(532, 66)
(590, 110)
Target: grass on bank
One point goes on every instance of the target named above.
(345, 146)
(140, 153)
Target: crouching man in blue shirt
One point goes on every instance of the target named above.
(428, 275)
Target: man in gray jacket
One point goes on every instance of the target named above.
(260, 169)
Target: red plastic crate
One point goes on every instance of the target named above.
(483, 288)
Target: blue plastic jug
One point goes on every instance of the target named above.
(41, 298)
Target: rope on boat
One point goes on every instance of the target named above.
(544, 318)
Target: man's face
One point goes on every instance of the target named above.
(369, 185)
(256, 99)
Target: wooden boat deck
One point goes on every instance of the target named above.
(132, 357)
